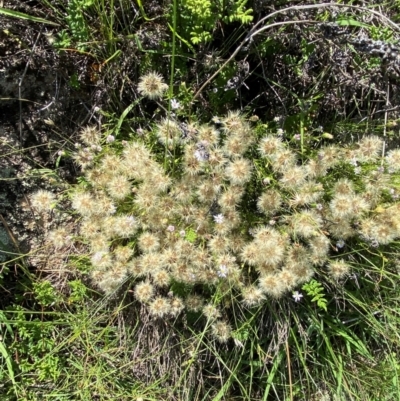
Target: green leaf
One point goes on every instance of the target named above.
(322, 304)
(351, 22)
(191, 235)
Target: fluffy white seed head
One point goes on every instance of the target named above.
(271, 285)
(208, 134)
(152, 85)
(270, 201)
(194, 303)
(84, 203)
(144, 291)
(369, 148)
(346, 206)
(282, 160)
(161, 278)
(233, 123)
(211, 312)
(177, 306)
(238, 171)
(338, 268)
(123, 253)
(252, 296)
(169, 133)
(42, 200)
(221, 331)
(148, 242)
(60, 237)
(160, 307)
(305, 224)
(293, 177)
(343, 186)
(119, 187)
(393, 160)
(90, 135)
(270, 145)
(124, 226)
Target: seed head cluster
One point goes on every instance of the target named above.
(219, 219)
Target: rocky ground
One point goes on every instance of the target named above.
(40, 112)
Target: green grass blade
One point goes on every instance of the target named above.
(17, 14)
(272, 373)
(122, 117)
(7, 357)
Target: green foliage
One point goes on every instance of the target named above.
(191, 235)
(78, 32)
(199, 17)
(381, 33)
(297, 63)
(45, 293)
(316, 291)
(34, 344)
(78, 291)
(74, 81)
(63, 40)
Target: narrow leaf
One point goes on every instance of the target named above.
(351, 22)
(17, 14)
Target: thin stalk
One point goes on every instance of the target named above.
(302, 133)
(171, 80)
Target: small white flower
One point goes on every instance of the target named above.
(99, 256)
(218, 218)
(393, 193)
(95, 148)
(277, 118)
(297, 296)
(171, 229)
(279, 131)
(175, 104)
(130, 220)
(110, 139)
(340, 244)
(252, 232)
(182, 233)
(222, 271)
(319, 206)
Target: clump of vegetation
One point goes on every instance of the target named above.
(226, 211)
(247, 232)
(199, 17)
